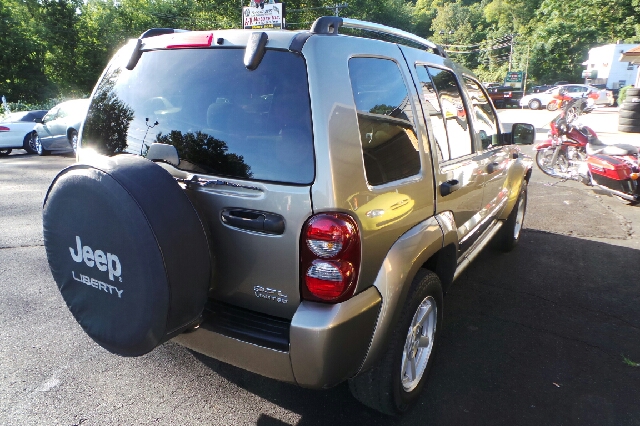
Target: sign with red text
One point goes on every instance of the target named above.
(269, 16)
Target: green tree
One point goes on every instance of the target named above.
(22, 76)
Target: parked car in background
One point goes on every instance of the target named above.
(540, 89)
(542, 100)
(58, 131)
(16, 130)
(504, 96)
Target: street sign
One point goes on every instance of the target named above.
(591, 74)
(513, 77)
(268, 16)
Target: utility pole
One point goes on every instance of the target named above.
(337, 7)
(510, 51)
(526, 72)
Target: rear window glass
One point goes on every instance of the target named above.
(222, 118)
(385, 118)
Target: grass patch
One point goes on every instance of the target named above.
(629, 362)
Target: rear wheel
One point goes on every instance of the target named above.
(509, 235)
(552, 106)
(29, 143)
(535, 104)
(395, 383)
(544, 159)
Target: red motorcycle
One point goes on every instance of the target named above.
(574, 152)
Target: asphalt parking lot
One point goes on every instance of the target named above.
(548, 334)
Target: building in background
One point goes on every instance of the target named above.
(633, 57)
(607, 65)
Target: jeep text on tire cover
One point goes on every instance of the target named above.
(293, 203)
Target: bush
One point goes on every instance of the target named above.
(622, 94)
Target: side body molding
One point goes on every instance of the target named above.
(400, 266)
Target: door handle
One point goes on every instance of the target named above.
(253, 220)
(449, 186)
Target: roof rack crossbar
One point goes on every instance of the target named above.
(378, 28)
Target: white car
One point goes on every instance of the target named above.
(16, 130)
(543, 99)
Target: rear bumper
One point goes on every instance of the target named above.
(327, 343)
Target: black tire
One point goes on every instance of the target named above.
(509, 235)
(629, 121)
(128, 252)
(73, 140)
(629, 114)
(561, 163)
(28, 144)
(382, 387)
(535, 104)
(633, 91)
(39, 149)
(5, 152)
(630, 106)
(628, 129)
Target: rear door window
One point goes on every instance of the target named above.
(385, 119)
(222, 119)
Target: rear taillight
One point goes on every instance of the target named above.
(329, 257)
(4, 129)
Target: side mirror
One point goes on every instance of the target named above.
(523, 134)
(38, 120)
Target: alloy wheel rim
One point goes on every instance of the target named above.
(419, 344)
(74, 142)
(38, 145)
(33, 143)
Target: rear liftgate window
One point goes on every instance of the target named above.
(385, 119)
(222, 118)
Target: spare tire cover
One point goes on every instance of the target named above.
(128, 252)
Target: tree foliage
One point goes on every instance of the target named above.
(59, 47)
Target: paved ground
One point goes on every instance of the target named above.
(538, 336)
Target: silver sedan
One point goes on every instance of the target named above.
(58, 131)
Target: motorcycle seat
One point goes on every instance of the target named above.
(617, 149)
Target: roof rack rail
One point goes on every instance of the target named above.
(331, 24)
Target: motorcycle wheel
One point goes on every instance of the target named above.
(552, 106)
(543, 160)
